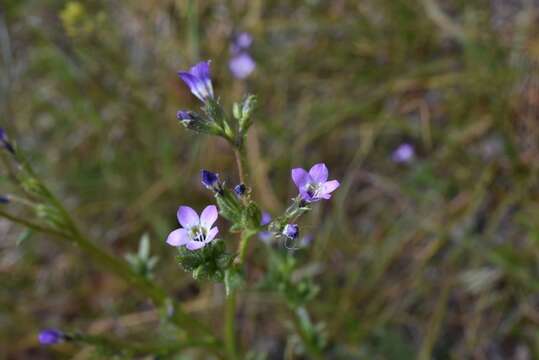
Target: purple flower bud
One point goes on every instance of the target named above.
(185, 117)
(50, 337)
(210, 180)
(4, 141)
(198, 79)
(241, 42)
(240, 189)
(405, 153)
(313, 185)
(291, 231)
(241, 65)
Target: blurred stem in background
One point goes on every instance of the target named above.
(192, 29)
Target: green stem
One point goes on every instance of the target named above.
(230, 326)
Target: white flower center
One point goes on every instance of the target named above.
(197, 233)
(314, 189)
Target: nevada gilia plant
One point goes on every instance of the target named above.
(203, 249)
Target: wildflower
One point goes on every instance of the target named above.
(210, 180)
(240, 190)
(196, 231)
(265, 235)
(241, 42)
(241, 65)
(198, 80)
(405, 153)
(4, 141)
(50, 337)
(313, 185)
(291, 231)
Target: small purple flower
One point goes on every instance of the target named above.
(196, 232)
(4, 199)
(240, 190)
(50, 337)
(405, 153)
(291, 231)
(265, 235)
(241, 42)
(210, 180)
(198, 79)
(241, 65)
(4, 141)
(313, 185)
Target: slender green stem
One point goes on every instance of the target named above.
(230, 326)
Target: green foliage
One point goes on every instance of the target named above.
(210, 262)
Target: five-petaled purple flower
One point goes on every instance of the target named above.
(403, 154)
(50, 337)
(196, 232)
(313, 185)
(291, 231)
(198, 79)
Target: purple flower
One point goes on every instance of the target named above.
(265, 235)
(210, 180)
(4, 199)
(50, 337)
(291, 231)
(240, 189)
(241, 65)
(241, 42)
(198, 80)
(4, 141)
(196, 231)
(403, 154)
(313, 185)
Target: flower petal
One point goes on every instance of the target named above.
(208, 216)
(178, 237)
(319, 173)
(195, 245)
(193, 83)
(330, 186)
(211, 234)
(187, 217)
(300, 177)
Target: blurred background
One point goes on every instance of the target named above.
(426, 110)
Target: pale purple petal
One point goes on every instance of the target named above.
(300, 177)
(319, 173)
(211, 234)
(178, 237)
(187, 217)
(192, 82)
(201, 70)
(330, 186)
(266, 218)
(244, 40)
(195, 245)
(208, 216)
